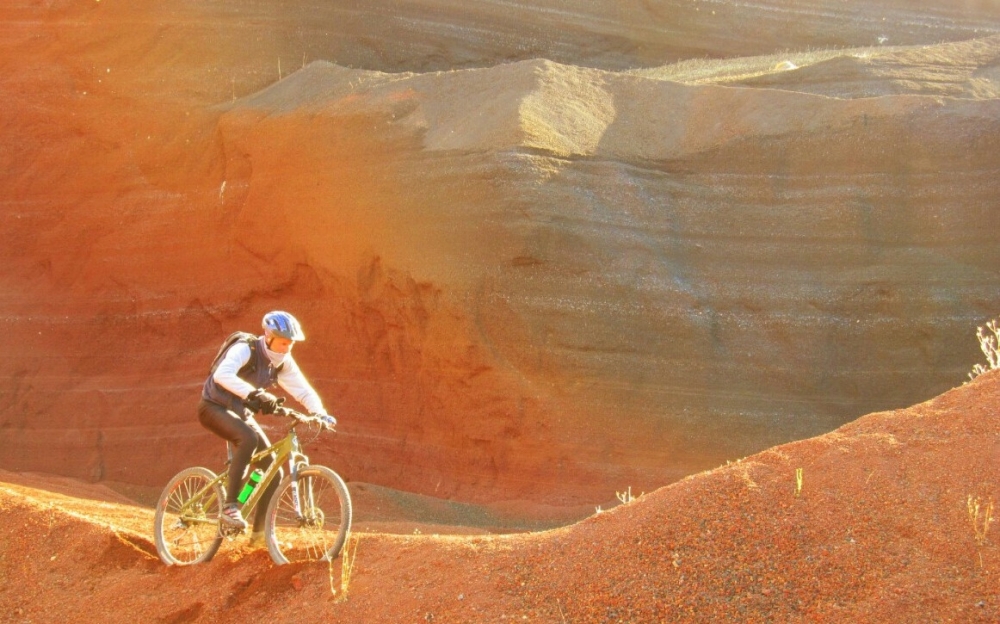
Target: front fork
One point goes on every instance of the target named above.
(296, 461)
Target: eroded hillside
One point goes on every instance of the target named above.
(528, 272)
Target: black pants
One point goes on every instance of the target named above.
(247, 438)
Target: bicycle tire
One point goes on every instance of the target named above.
(320, 534)
(194, 537)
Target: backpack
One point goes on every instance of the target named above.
(233, 338)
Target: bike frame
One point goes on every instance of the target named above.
(288, 448)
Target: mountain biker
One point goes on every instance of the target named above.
(238, 388)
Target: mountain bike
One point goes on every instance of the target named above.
(308, 516)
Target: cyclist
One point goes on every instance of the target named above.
(238, 388)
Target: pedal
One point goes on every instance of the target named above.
(230, 533)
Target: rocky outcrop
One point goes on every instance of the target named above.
(542, 279)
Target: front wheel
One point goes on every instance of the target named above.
(315, 530)
(186, 525)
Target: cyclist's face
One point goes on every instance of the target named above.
(281, 345)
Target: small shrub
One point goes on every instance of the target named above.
(626, 496)
(981, 517)
(989, 340)
(347, 556)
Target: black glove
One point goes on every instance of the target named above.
(262, 401)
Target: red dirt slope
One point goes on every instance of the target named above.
(880, 532)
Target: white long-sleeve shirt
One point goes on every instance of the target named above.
(290, 377)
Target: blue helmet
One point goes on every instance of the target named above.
(282, 324)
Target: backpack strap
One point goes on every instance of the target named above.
(251, 365)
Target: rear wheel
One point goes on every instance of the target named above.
(186, 525)
(317, 533)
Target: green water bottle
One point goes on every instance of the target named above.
(251, 483)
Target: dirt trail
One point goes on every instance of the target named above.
(878, 529)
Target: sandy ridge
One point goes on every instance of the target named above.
(544, 107)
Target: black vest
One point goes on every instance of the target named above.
(258, 372)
